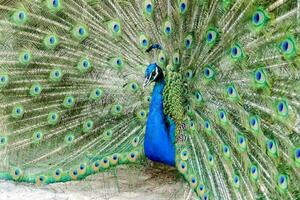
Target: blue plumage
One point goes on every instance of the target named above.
(159, 134)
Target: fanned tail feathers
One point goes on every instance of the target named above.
(72, 103)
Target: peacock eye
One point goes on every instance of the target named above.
(182, 6)
(260, 76)
(209, 73)
(287, 46)
(56, 75)
(4, 80)
(118, 62)
(236, 52)
(167, 28)
(282, 108)
(52, 40)
(55, 3)
(270, 145)
(176, 59)
(148, 7)
(3, 140)
(114, 28)
(242, 145)
(80, 32)
(25, 58)
(154, 74)
(19, 17)
(231, 92)
(211, 36)
(201, 187)
(254, 123)
(225, 149)
(236, 181)
(162, 58)
(282, 182)
(188, 41)
(253, 169)
(259, 18)
(69, 138)
(189, 74)
(144, 41)
(272, 148)
(18, 112)
(198, 97)
(241, 140)
(206, 124)
(184, 154)
(222, 116)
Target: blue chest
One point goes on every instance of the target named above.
(158, 145)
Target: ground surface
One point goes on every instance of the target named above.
(148, 184)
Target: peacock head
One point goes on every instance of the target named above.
(153, 73)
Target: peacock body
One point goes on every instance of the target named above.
(158, 137)
(224, 109)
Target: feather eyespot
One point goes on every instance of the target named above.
(18, 111)
(19, 17)
(297, 153)
(260, 18)
(288, 47)
(282, 182)
(211, 36)
(183, 6)
(167, 28)
(149, 8)
(282, 108)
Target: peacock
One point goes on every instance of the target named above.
(210, 88)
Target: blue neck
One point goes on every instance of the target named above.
(158, 145)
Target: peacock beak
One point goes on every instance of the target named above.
(151, 78)
(146, 82)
